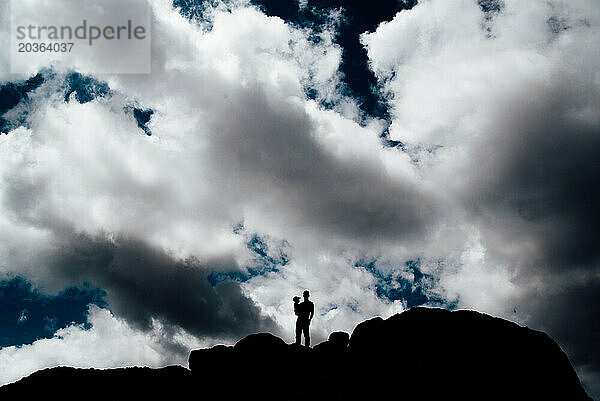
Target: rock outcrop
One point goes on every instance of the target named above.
(424, 354)
(421, 354)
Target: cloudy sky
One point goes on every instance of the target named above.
(382, 155)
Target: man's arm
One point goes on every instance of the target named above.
(312, 311)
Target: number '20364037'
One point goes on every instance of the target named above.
(35, 47)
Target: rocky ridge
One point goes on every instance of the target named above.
(423, 353)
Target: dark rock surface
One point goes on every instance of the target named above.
(133, 383)
(422, 354)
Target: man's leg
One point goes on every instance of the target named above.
(306, 334)
(298, 332)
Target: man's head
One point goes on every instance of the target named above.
(305, 294)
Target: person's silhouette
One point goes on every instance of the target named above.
(305, 312)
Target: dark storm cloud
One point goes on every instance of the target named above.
(537, 189)
(550, 184)
(143, 282)
(572, 317)
(270, 152)
(544, 170)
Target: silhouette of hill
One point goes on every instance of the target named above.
(424, 354)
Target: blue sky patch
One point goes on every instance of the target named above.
(143, 116)
(358, 16)
(265, 260)
(193, 9)
(74, 86)
(11, 94)
(28, 315)
(394, 286)
(84, 88)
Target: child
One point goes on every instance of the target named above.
(296, 304)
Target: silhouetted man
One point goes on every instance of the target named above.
(305, 312)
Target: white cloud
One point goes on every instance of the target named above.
(110, 342)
